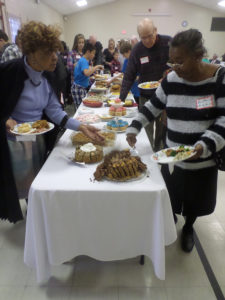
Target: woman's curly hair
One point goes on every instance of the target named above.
(36, 35)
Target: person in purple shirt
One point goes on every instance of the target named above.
(28, 91)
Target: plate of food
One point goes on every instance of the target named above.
(173, 154)
(149, 85)
(33, 128)
(100, 77)
(98, 88)
(106, 117)
(121, 166)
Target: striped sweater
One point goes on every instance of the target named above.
(195, 114)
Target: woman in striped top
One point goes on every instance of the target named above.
(193, 96)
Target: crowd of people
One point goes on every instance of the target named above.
(191, 94)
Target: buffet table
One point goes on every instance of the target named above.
(71, 214)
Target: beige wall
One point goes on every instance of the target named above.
(110, 19)
(28, 10)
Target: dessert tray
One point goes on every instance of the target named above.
(173, 154)
(88, 118)
(32, 128)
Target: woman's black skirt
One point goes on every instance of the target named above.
(192, 192)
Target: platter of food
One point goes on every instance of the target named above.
(150, 85)
(120, 166)
(92, 103)
(98, 88)
(100, 77)
(105, 117)
(79, 138)
(173, 154)
(88, 118)
(118, 126)
(33, 128)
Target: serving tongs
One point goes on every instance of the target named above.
(133, 151)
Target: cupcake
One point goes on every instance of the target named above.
(112, 111)
(109, 125)
(119, 111)
(114, 127)
(123, 125)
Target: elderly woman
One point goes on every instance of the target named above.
(193, 96)
(28, 90)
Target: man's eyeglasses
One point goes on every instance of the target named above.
(173, 65)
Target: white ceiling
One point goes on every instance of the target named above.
(212, 4)
(67, 7)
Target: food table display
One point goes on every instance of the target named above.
(71, 212)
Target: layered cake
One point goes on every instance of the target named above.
(88, 153)
(117, 125)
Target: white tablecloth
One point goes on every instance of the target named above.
(69, 214)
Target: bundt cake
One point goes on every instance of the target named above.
(88, 153)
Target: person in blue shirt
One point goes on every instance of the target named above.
(125, 50)
(82, 73)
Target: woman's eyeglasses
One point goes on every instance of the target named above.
(173, 65)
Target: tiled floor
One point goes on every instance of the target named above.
(86, 278)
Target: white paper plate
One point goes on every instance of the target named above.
(31, 132)
(140, 177)
(130, 114)
(161, 157)
(151, 88)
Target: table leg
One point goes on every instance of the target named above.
(142, 260)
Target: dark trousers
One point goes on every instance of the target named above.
(157, 136)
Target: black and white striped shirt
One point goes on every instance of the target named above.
(195, 114)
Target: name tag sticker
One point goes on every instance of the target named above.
(144, 60)
(205, 102)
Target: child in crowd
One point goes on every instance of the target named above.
(115, 64)
(125, 50)
(82, 73)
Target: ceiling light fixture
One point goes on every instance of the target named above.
(81, 3)
(221, 3)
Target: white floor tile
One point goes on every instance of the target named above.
(62, 275)
(100, 293)
(13, 271)
(184, 269)
(9, 293)
(194, 293)
(45, 293)
(154, 293)
(131, 274)
(91, 272)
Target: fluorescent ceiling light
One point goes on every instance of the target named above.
(221, 3)
(81, 3)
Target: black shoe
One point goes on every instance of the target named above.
(187, 241)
